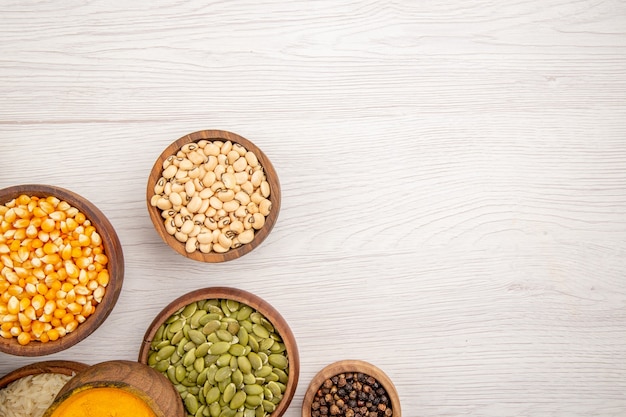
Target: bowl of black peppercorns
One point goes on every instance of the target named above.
(351, 388)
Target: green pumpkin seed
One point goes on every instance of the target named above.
(224, 335)
(198, 364)
(272, 376)
(197, 336)
(159, 333)
(244, 312)
(266, 344)
(268, 406)
(223, 374)
(229, 392)
(242, 335)
(210, 359)
(210, 376)
(243, 363)
(165, 352)
(189, 357)
(252, 342)
(222, 386)
(194, 321)
(232, 305)
(212, 338)
(215, 409)
(253, 401)
(282, 375)
(224, 360)
(255, 361)
(249, 379)
(227, 412)
(267, 394)
(189, 345)
(253, 389)
(274, 388)
(171, 375)
(260, 412)
(153, 358)
(256, 317)
(263, 357)
(176, 326)
(177, 337)
(237, 377)
(260, 331)
(207, 317)
(213, 395)
(278, 361)
(233, 327)
(246, 324)
(233, 363)
(237, 400)
(237, 350)
(211, 326)
(264, 371)
(266, 323)
(202, 349)
(162, 366)
(189, 310)
(162, 344)
(219, 348)
(181, 372)
(202, 376)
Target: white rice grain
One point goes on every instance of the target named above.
(31, 395)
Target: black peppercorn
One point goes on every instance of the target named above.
(351, 395)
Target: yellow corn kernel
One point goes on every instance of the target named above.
(23, 320)
(24, 302)
(71, 269)
(38, 301)
(49, 307)
(53, 334)
(71, 326)
(13, 306)
(71, 296)
(84, 240)
(15, 290)
(30, 312)
(6, 326)
(4, 248)
(77, 252)
(83, 262)
(50, 248)
(71, 224)
(81, 299)
(4, 297)
(55, 322)
(31, 231)
(66, 287)
(42, 288)
(45, 318)
(74, 308)
(62, 303)
(38, 328)
(48, 225)
(57, 216)
(30, 289)
(44, 338)
(15, 245)
(23, 338)
(59, 313)
(6, 334)
(51, 259)
(4, 285)
(80, 318)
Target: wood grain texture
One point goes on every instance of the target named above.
(452, 176)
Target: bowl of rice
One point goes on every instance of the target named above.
(28, 391)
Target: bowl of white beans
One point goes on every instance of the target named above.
(213, 196)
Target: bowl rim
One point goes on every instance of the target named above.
(354, 366)
(157, 395)
(249, 299)
(113, 250)
(64, 367)
(214, 135)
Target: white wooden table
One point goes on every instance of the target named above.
(453, 177)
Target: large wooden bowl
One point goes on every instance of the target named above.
(115, 266)
(351, 366)
(259, 236)
(262, 306)
(136, 378)
(69, 368)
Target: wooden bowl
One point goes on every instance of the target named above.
(56, 367)
(115, 266)
(253, 301)
(136, 378)
(274, 197)
(350, 366)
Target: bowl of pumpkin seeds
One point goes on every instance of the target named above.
(226, 351)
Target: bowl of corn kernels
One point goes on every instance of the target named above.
(61, 269)
(213, 196)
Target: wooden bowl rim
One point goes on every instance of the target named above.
(351, 365)
(64, 367)
(259, 235)
(251, 300)
(101, 375)
(113, 250)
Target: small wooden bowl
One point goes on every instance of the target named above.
(70, 368)
(136, 378)
(115, 266)
(253, 301)
(351, 366)
(270, 173)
